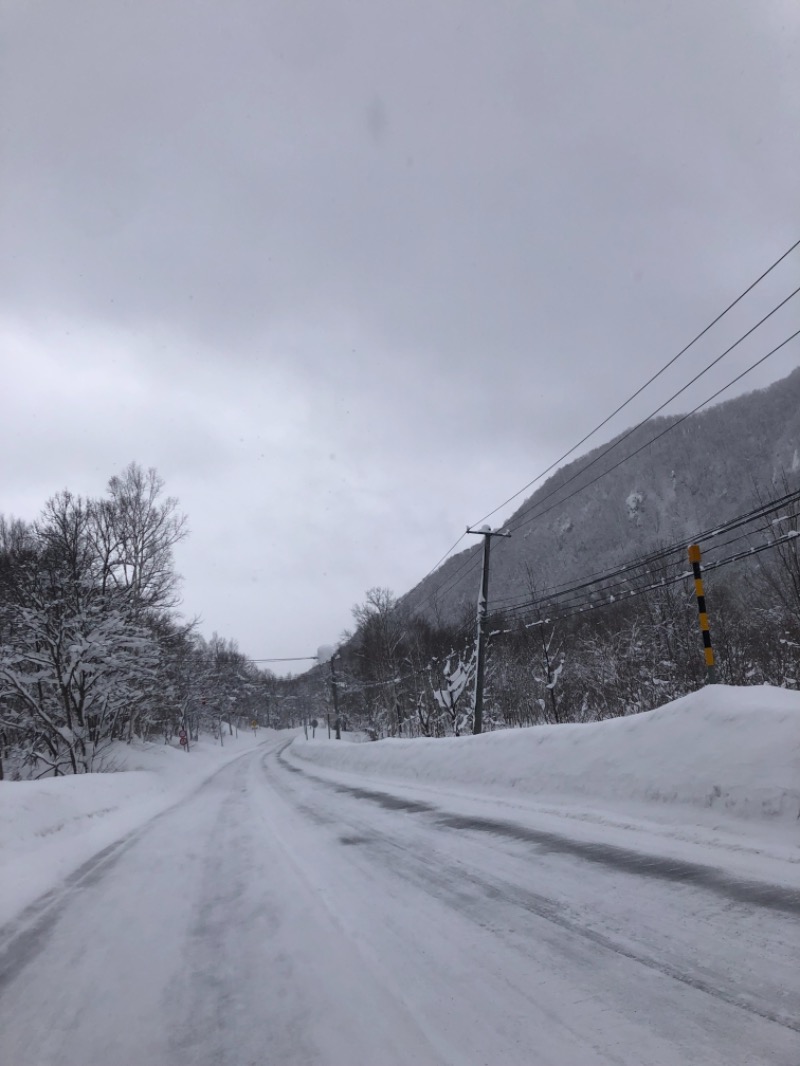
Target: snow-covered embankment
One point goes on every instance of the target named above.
(48, 828)
(735, 751)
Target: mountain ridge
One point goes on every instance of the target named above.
(712, 466)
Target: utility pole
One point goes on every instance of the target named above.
(695, 555)
(326, 653)
(337, 720)
(480, 639)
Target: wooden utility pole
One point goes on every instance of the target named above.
(326, 653)
(480, 636)
(337, 721)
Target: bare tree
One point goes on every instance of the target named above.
(134, 531)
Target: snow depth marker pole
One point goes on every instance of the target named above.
(694, 559)
(480, 637)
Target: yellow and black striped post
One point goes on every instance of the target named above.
(694, 559)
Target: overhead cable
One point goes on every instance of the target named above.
(641, 388)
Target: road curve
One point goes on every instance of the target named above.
(276, 917)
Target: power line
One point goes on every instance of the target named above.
(611, 590)
(452, 579)
(669, 429)
(189, 660)
(615, 444)
(448, 552)
(627, 572)
(472, 561)
(583, 607)
(567, 604)
(289, 659)
(575, 610)
(647, 383)
(705, 536)
(579, 607)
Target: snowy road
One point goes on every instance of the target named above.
(279, 917)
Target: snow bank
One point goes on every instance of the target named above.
(48, 828)
(734, 750)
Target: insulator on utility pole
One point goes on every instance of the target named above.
(480, 634)
(695, 556)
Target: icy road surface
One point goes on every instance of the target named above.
(279, 916)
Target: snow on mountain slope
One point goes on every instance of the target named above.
(688, 480)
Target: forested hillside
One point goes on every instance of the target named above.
(592, 608)
(711, 467)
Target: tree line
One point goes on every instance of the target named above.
(401, 673)
(92, 649)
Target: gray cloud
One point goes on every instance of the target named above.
(349, 273)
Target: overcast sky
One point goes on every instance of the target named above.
(348, 274)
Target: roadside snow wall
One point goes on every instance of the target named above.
(735, 750)
(49, 827)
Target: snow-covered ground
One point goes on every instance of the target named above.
(717, 769)
(623, 893)
(48, 828)
(735, 751)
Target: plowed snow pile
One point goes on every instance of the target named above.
(732, 750)
(49, 827)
